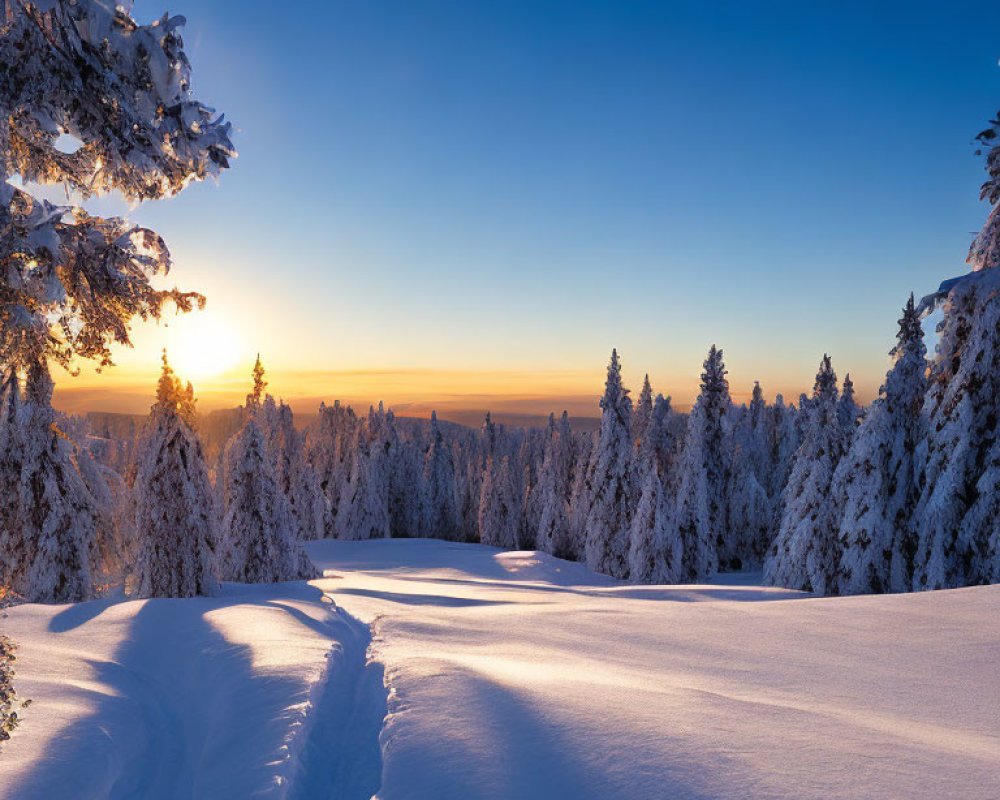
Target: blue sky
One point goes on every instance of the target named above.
(515, 187)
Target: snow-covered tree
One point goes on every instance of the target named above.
(985, 250)
(555, 490)
(499, 509)
(295, 475)
(847, 408)
(173, 519)
(655, 553)
(257, 540)
(610, 488)
(14, 548)
(699, 517)
(122, 92)
(876, 483)
(751, 518)
(56, 510)
(441, 519)
(805, 553)
(659, 445)
(330, 448)
(958, 512)
(364, 510)
(643, 413)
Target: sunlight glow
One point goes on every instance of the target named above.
(202, 345)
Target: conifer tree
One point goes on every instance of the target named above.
(643, 413)
(14, 548)
(876, 484)
(364, 511)
(498, 507)
(173, 519)
(957, 515)
(441, 519)
(610, 488)
(555, 491)
(750, 513)
(655, 555)
(805, 550)
(699, 518)
(847, 408)
(659, 446)
(55, 508)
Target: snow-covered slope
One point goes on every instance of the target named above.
(514, 675)
(511, 675)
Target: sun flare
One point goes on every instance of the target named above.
(203, 345)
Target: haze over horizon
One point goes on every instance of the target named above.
(774, 180)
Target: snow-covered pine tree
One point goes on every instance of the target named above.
(848, 411)
(643, 413)
(958, 515)
(173, 519)
(610, 488)
(805, 553)
(441, 520)
(655, 555)
(659, 444)
(257, 540)
(55, 508)
(14, 549)
(751, 517)
(554, 489)
(876, 483)
(364, 509)
(499, 508)
(406, 489)
(295, 475)
(330, 448)
(699, 517)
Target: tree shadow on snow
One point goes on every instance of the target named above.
(446, 601)
(180, 712)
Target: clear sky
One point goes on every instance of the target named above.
(470, 203)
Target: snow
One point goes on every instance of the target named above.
(510, 675)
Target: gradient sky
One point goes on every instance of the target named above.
(472, 202)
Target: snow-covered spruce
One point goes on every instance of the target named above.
(499, 509)
(876, 483)
(643, 414)
(654, 554)
(610, 490)
(172, 519)
(699, 516)
(295, 475)
(805, 554)
(659, 443)
(257, 538)
(57, 512)
(14, 550)
(751, 517)
(440, 506)
(555, 492)
(958, 514)
(364, 503)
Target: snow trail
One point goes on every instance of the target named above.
(342, 757)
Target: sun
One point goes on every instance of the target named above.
(203, 345)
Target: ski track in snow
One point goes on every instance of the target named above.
(265, 692)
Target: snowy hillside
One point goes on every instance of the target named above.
(511, 675)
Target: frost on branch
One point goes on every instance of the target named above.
(69, 282)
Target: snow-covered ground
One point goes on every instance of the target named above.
(511, 675)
